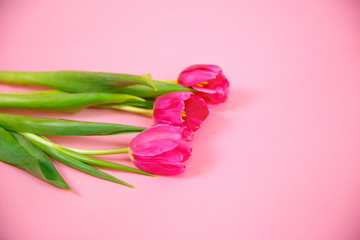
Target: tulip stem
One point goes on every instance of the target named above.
(85, 151)
(69, 153)
(146, 75)
(166, 80)
(129, 109)
(99, 151)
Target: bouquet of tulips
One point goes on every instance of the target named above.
(178, 108)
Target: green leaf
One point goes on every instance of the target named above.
(159, 89)
(62, 101)
(17, 151)
(50, 148)
(76, 81)
(141, 102)
(52, 126)
(36, 92)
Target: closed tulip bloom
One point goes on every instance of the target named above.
(209, 81)
(160, 149)
(182, 109)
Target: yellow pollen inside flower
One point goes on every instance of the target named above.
(201, 84)
(183, 114)
(131, 156)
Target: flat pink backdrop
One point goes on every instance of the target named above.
(280, 160)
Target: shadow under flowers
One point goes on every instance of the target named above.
(214, 129)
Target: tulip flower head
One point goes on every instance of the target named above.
(160, 149)
(182, 109)
(209, 81)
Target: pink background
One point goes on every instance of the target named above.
(280, 160)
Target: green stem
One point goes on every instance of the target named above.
(146, 75)
(40, 140)
(99, 151)
(130, 109)
(50, 148)
(166, 80)
(98, 162)
(80, 157)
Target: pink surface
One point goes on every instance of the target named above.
(280, 160)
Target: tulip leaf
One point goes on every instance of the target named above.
(52, 126)
(17, 151)
(76, 81)
(141, 102)
(62, 101)
(36, 92)
(67, 159)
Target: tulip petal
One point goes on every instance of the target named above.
(196, 112)
(206, 67)
(160, 150)
(169, 115)
(181, 109)
(168, 100)
(161, 168)
(185, 149)
(209, 81)
(195, 77)
(155, 140)
(168, 108)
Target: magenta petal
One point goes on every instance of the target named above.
(206, 67)
(169, 116)
(208, 91)
(168, 100)
(220, 96)
(171, 156)
(160, 149)
(209, 81)
(195, 77)
(181, 109)
(188, 134)
(155, 140)
(168, 108)
(196, 107)
(196, 112)
(185, 149)
(161, 168)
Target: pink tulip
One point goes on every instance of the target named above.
(209, 81)
(182, 109)
(160, 149)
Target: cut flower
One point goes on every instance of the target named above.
(182, 109)
(209, 81)
(160, 149)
